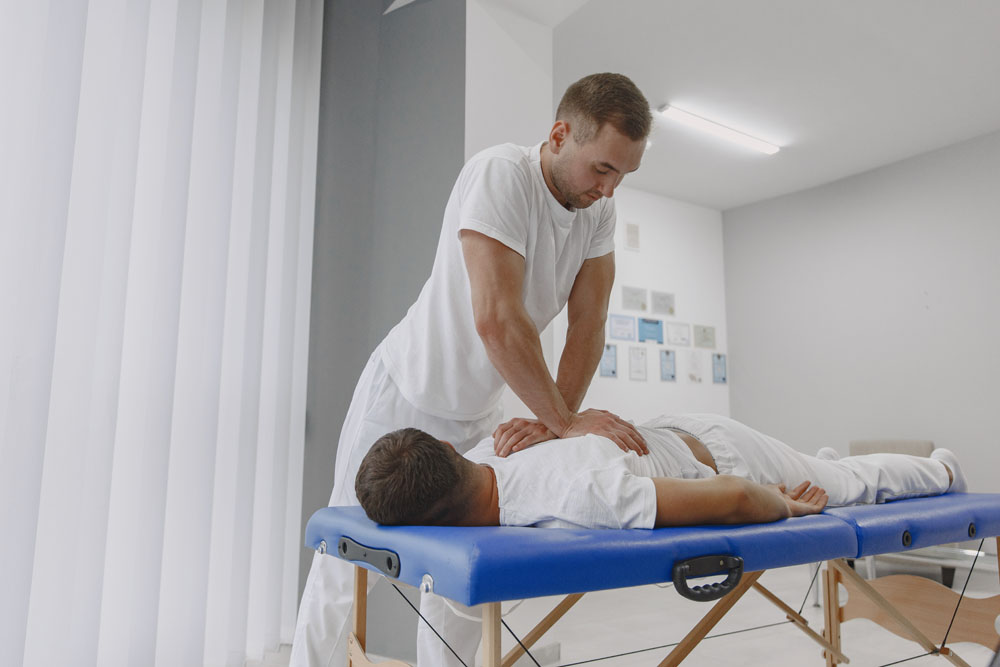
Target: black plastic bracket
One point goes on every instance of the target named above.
(704, 566)
(382, 559)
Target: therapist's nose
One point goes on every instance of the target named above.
(606, 186)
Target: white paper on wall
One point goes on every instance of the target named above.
(704, 336)
(678, 334)
(637, 363)
(668, 366)
(634, 298)
(663, 303)
(631, 236)
(694, 366)
(609, 362)
(621, 327)
(719, 368)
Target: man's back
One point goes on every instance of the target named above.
(586, 481)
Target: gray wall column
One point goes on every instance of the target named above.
(391, 143)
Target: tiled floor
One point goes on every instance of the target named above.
(608, 623)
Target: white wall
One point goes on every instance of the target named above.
(508, 78)
(867, 308)
(681, 253)
(508, 97)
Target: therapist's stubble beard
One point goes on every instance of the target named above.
(560, 180)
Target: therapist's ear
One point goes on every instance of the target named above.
(557, 136)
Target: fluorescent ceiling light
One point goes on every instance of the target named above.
(722, 131)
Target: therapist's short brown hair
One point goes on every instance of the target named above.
(605, 98)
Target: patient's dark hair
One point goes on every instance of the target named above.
(605, 98)
(410, 477)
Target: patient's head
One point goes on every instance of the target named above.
(410, 477)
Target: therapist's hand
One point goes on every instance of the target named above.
(609, 425)
(517, 434)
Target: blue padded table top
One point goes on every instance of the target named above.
(923, 522)
(490, 564)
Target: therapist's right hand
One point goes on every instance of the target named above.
(609, 425)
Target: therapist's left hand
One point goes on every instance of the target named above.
(517, 434)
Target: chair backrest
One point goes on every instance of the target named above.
(891, 446)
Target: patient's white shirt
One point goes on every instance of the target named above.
(586, 482)
(434, 354)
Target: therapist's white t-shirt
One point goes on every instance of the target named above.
(434, 354)
(586, 482)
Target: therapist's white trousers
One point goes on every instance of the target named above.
(324, 620)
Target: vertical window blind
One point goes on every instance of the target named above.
(157, 187)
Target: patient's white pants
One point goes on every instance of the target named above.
(324, 619)
(873, 478)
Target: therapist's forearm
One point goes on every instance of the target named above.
(580, 357)
(513, 347)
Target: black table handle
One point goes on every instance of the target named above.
(383, 559)
(704, 566)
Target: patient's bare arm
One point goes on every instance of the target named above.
(728, 499)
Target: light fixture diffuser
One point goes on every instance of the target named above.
(705, 125)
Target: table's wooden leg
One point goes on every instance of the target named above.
(491, 634)
(800, 622)
(356, 642)
(709, 620)
(361, 605)
(359, 636)
(831, 613)
(539, 630)
(856, 582)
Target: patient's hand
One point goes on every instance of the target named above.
(517, 434)
(803, 499)
(609, 425)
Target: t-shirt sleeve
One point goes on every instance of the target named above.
(603, 240)
(614, 498)
(494, 202)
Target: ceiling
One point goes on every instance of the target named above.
(844, 86)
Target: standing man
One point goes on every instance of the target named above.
(526, 232)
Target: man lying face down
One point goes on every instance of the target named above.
(701, 469)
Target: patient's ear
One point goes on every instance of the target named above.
(449, 444)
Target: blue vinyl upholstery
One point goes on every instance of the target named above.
(476, 565)
(929, 521)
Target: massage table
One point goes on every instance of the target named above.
(488, 565)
